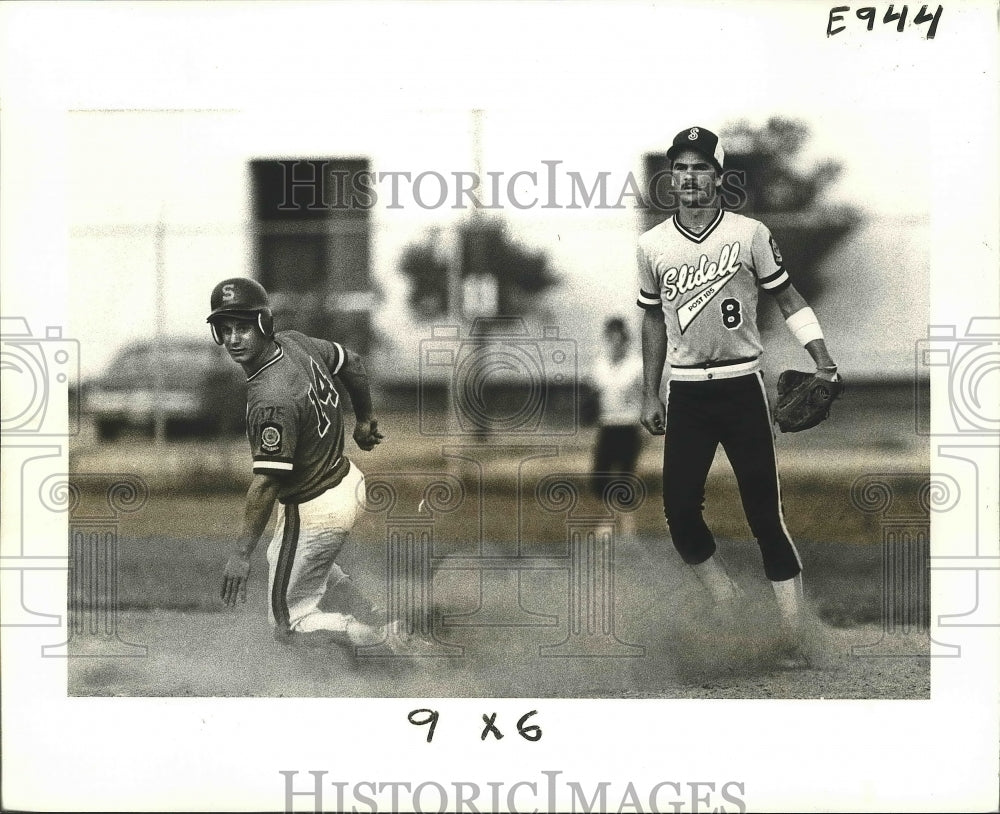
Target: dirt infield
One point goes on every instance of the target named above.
(665, 643)
(200, 654)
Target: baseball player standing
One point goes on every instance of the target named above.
(617, 377)
(699, 275)
(296, 431)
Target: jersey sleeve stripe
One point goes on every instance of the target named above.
(774, 276)
(281, 466)
(775, 280)
(779, 287)
(647, 299)
(649, 306)
(340, 358)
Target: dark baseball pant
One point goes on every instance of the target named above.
(732, 412)
(615, 451)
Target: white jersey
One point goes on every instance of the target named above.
(620, 386)
(706, 286)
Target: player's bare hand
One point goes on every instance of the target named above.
(367, 435)
(654, 415)
(235, 578)
(827, 374)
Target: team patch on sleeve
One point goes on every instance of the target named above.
(270, 438)
(269, 455)
(775, 251)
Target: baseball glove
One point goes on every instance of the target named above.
(804, 400)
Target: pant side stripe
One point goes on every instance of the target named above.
(283, 570)
(777, 477)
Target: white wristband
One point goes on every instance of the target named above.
(804, 325)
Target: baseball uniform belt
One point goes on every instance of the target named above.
(717, 369)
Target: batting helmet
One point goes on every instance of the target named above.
(241, 298)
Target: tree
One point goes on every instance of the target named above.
(487, 248)
(767, 156)
(789, 198)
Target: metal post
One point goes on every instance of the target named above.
(455, 277)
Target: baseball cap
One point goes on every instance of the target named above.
(701, 140)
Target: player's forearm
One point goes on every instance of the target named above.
(654, 352)
(804, 324)
(261, 495)
(354, 375)
(789, 300)
(820, 355)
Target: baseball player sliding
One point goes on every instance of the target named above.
(296, 431)
(699, 274)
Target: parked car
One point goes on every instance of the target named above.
(201, 391)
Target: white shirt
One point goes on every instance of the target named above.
(620, 386)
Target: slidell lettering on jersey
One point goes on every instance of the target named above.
(684, 279)
(687, 278)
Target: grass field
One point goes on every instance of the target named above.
(169, 559)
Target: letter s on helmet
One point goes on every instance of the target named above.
(244, 299)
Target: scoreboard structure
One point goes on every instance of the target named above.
(312, 234)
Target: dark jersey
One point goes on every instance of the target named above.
(295, 422)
